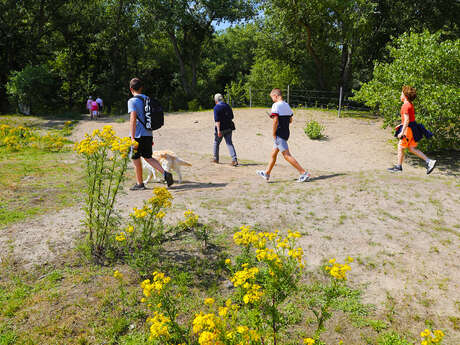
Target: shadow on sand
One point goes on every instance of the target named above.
(187, 185)
(316, 178)
(448, 162)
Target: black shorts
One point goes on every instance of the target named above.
(144, 149)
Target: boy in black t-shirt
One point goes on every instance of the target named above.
(282, 117)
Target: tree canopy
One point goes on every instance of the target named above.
(94, 47)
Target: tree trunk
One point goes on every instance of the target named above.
(316, 59)
(185, 83)
(345, 67)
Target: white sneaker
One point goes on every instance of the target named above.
(262, 174)
(305, 177)
(430, 166)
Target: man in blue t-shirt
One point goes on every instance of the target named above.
(223, 118)
(142, 139)
(282, 117)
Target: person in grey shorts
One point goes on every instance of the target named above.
(224, 126)
(282, 117)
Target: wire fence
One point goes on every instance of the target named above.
(332, 100)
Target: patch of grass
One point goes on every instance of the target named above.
(7, 336)
(392, 338)
(33, 182)
(446, 229)
(455, 320)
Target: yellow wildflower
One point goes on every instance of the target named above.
(209, 301)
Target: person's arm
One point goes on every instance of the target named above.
(219, 133)
(132, 126)
(404, 127)
(275, 125)
(217, 122)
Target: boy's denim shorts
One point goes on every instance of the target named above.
(280, 144)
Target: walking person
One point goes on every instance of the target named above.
(409, 132)
(94, 109)
(224, 126)
(281, 115)
(89, 104)
(141, 137)
(100, 103)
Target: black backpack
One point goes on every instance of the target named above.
(153, 113)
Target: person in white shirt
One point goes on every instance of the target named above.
(100, 103)
(282, 117)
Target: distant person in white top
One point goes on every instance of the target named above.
(100, 104)
(89, 103)
(282, 117)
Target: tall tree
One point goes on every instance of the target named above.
(188, 25)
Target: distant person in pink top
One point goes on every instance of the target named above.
(94, 109)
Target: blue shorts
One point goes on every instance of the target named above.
(280, 144)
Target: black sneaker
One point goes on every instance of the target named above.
(169, 178)
(396, 168)
(138, 186)
(430, 166)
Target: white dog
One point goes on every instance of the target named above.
(168, 160)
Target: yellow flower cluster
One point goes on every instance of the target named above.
(209, 301)
(140, 213)
(241, 277)
(282, 245)
(162, 198)
(157, 285)
(117, 275)
(159, 326)
(338, 271)
(191, 219)
(428, 338)
(267, 254)
(217, 330)
(204, 321)
(120, 237)
(160, 215)
(253, 291)
(309, 341)
(246, 236)
(16, 138)
(104, 138)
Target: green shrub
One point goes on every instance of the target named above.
(432, 66)
(32, 89)
(314, 130)
(193, 105)
(392, 338)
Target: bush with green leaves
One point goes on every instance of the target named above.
(431, 65)
(238, 93)
(314, 129)
(193, 105)
(32, 89)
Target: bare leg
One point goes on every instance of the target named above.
(400, 154)
(138, 170)
(418, 153)
(155, 164)
(272, 162)
(287, 156)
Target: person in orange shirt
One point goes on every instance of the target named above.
(406, 134)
